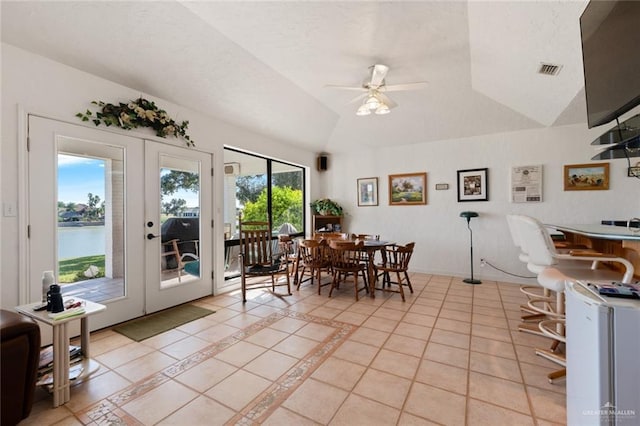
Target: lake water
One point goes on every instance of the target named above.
(79, 241)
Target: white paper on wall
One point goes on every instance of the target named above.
(526, 184)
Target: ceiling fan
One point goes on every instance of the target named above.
(374, 100)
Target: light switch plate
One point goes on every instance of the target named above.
(8, 209)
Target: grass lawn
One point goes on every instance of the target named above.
(71, 269)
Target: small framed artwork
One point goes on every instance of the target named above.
(473, 185)
(368, 191)
(634, 171)
(408, 189)
(586, 177)
(442, 186)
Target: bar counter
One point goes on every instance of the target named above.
(609, 239)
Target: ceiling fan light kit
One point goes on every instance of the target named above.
(363, 110)
(373, 104)
(383, 109)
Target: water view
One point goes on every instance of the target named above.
(79, 241)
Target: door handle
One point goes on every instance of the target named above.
(150, 236)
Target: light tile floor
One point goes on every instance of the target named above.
(451, 354)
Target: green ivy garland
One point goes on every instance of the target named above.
(138, 113)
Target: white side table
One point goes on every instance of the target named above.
(61, 386)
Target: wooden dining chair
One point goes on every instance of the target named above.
(345, 262)
(257, 259)
(313, 256)
(395, 260)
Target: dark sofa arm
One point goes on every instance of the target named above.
(19, 358)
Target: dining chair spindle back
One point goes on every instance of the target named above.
(314, 258)
(345, 262)
(395, 260)
(258, 260)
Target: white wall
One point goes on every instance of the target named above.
(441, 236)
(40, 86)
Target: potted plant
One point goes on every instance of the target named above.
(326, 207)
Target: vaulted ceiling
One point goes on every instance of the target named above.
(264, 65)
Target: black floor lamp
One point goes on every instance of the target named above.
(468, 216)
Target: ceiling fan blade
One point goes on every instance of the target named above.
(387, 100)
(358, 98)
(333, 86)
(418, 85)
(378, 74)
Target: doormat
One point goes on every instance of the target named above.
(142, 328)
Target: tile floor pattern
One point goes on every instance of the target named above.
(451, 354)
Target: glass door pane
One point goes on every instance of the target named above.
(245, 193)
(180, 219)
(90, 225)
(286, 198)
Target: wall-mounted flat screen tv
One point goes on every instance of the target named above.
(610, 33)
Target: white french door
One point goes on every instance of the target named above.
(178, 225)
(120, 220)
(85, 216)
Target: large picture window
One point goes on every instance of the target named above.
(260, 189)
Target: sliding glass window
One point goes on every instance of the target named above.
(260, 189)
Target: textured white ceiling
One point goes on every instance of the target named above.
(264, 65)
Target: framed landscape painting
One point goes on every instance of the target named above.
(586, 177)
(408, 189)
(473, 185)
(368, 191)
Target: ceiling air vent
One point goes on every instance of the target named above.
(549, 69)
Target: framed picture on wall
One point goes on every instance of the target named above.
(368, 191)
(473, 185)
(586, 177)
(408, 189)
(526, 184)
